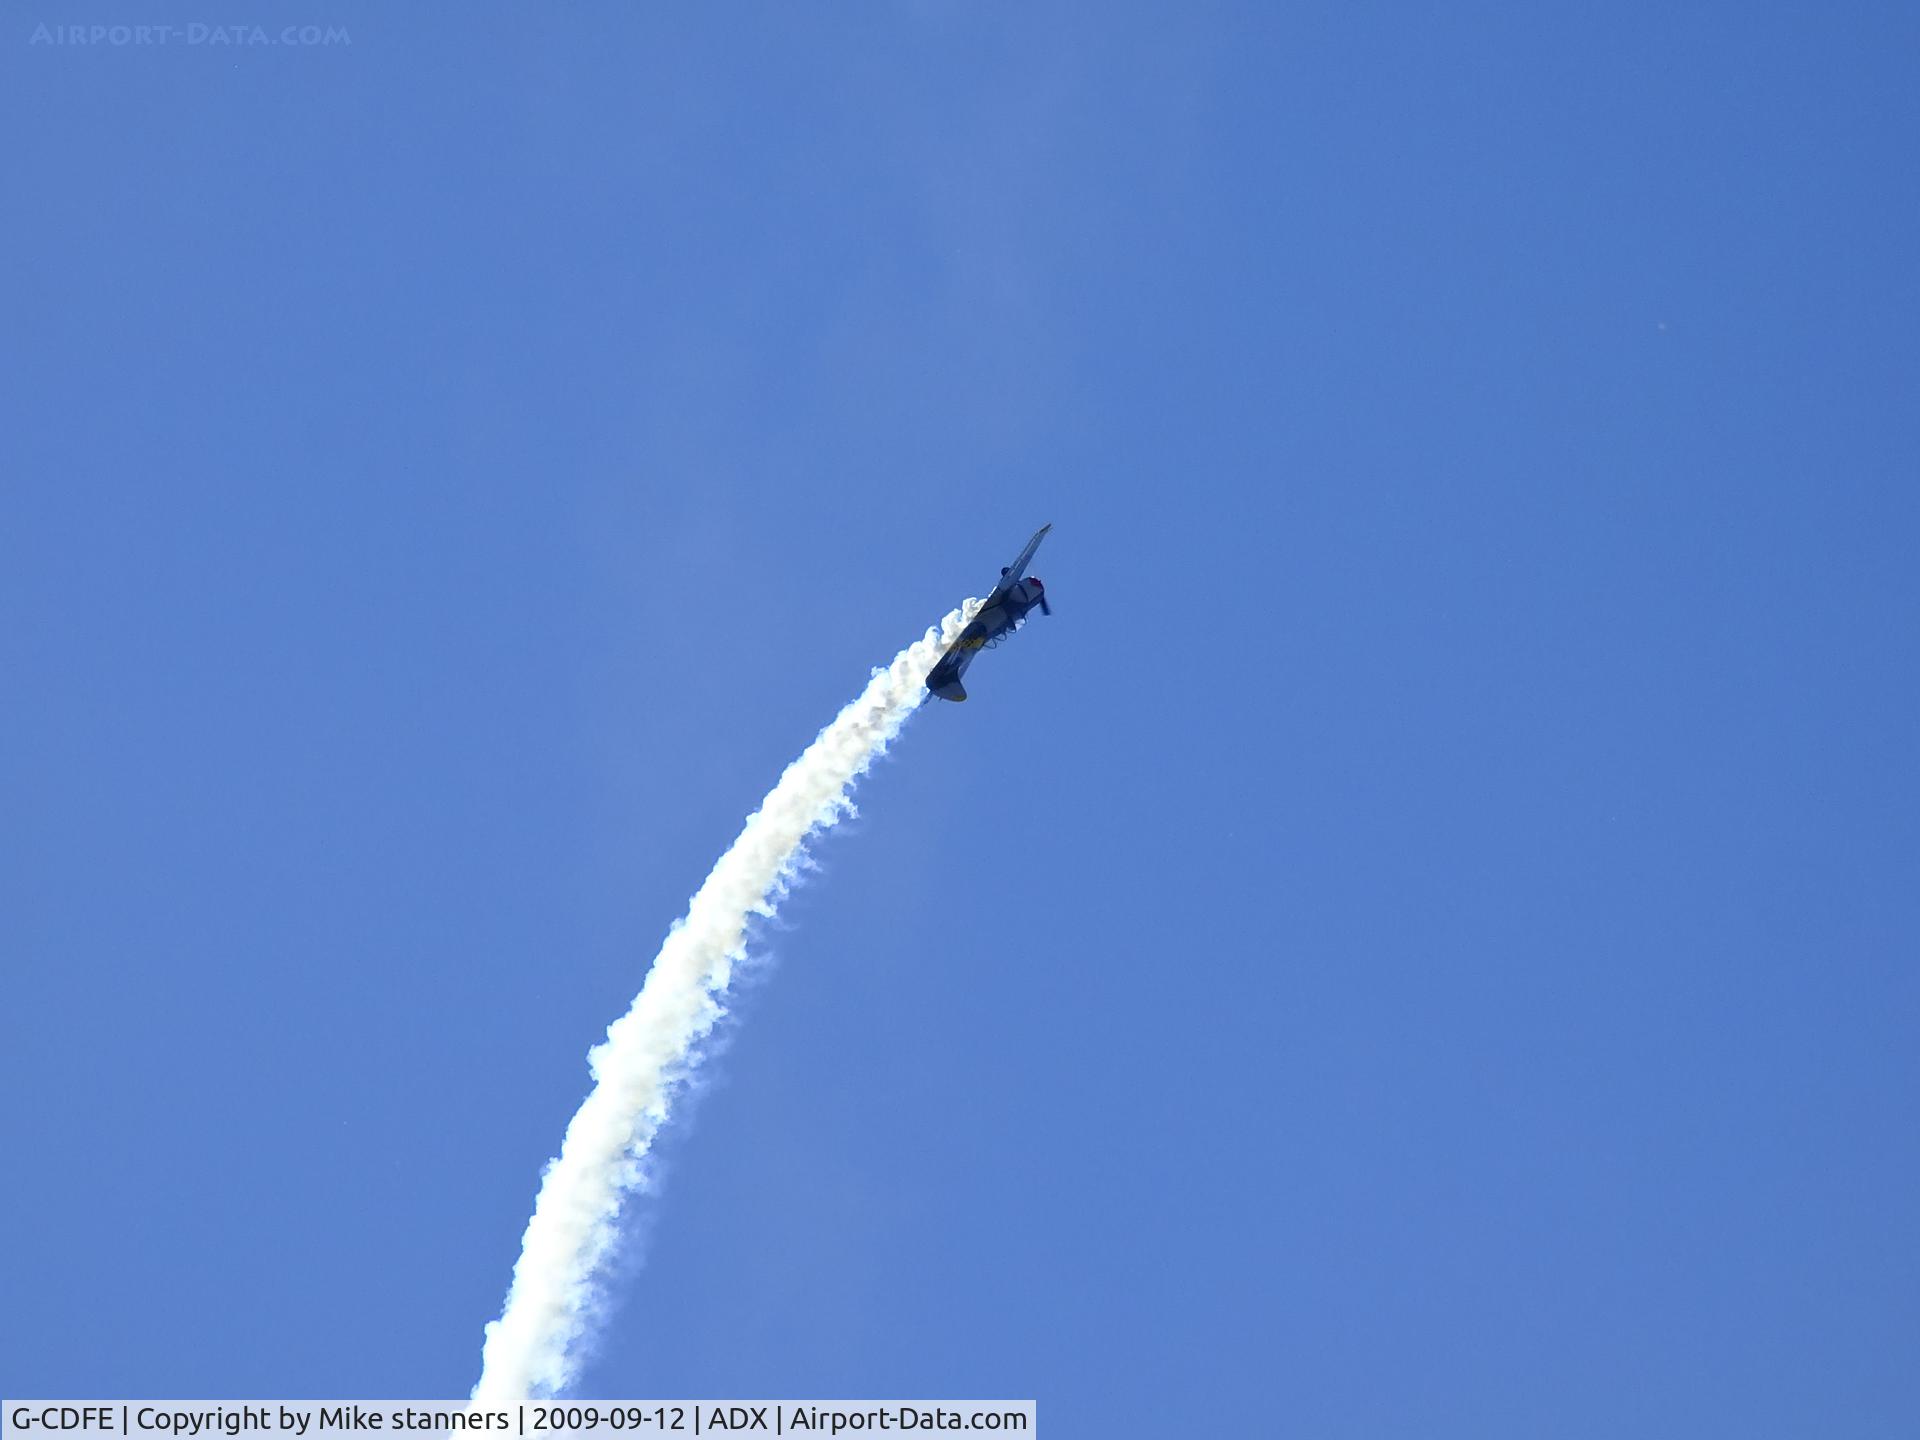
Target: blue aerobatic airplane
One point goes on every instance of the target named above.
(1003, 610)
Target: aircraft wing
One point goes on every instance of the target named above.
(944, 679)
(1017, 569)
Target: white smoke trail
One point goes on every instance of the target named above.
(533, 1348)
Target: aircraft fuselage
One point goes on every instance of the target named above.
(1005, 607)
(999, 619)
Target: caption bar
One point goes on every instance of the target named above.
(329, 1419)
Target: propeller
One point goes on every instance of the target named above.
(1045, 608)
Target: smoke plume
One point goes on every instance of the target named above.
(534, 1348)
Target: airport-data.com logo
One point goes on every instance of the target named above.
(199, 33)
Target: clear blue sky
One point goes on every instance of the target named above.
(1422, 942)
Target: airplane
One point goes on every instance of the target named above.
(1005, 608)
